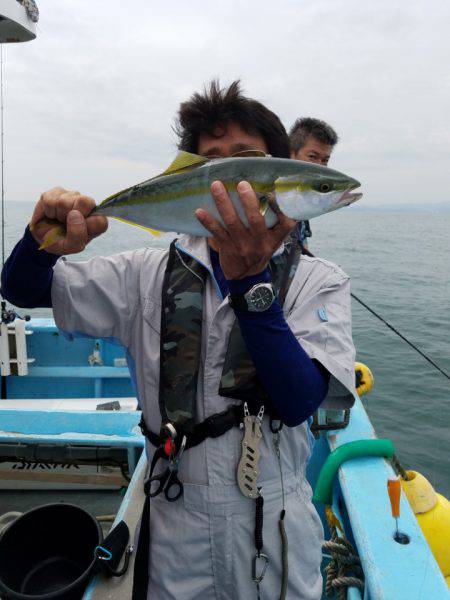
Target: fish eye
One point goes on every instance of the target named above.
(325, 187)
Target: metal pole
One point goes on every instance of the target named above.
(2, 154)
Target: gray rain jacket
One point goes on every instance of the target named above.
(202, 546)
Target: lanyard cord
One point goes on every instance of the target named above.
(260, 560)
(281, 527)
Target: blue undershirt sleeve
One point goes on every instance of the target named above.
(296, 384)
(27, 275)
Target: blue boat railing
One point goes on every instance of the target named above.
(65, 367)
(360, 500)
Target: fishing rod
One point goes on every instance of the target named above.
(3, 304)
(6, 316)
(2, 155)
(391, 327)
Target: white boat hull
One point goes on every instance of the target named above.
(15, 24)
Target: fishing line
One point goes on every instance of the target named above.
(392, 328)
(401, 336)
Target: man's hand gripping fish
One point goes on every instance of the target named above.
(167, 202)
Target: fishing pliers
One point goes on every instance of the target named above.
(167, 481)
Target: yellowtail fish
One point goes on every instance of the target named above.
(167, 202)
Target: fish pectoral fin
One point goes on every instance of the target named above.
(268, 200)
(154, 232)
(184, 161)
(265, 201)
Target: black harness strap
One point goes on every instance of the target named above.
(212, 427)
(141, 562)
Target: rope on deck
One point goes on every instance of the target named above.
(344, 570)
(399, 469)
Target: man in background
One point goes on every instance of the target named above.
(312, 140)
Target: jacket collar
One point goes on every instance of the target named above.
(198, 248)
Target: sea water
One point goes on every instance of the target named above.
(398, 263)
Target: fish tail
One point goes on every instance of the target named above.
(52, 236)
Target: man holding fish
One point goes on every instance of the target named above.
(230, 334)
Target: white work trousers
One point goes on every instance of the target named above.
(202, 546)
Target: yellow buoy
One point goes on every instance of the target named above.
(433, 514)
(364, 378)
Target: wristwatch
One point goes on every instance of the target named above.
(258, 298)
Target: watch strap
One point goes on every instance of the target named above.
(244, 301)
(238, 302)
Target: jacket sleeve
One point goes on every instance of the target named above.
(98, 297)
(27, 274)
(322, 325)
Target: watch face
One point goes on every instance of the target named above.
(261, 297)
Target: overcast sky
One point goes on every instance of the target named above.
(90, 103)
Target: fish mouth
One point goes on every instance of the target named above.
(349, 197)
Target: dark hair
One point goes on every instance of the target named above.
(217, 107)
(307, 127)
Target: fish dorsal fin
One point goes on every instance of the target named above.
(183, 161)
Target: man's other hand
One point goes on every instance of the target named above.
(69, 212)
(242, 251)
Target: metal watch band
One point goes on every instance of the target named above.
(248, 302)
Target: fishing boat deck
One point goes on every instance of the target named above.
(57, 413)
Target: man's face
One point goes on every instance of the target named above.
(226, 142)
(314, 151)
